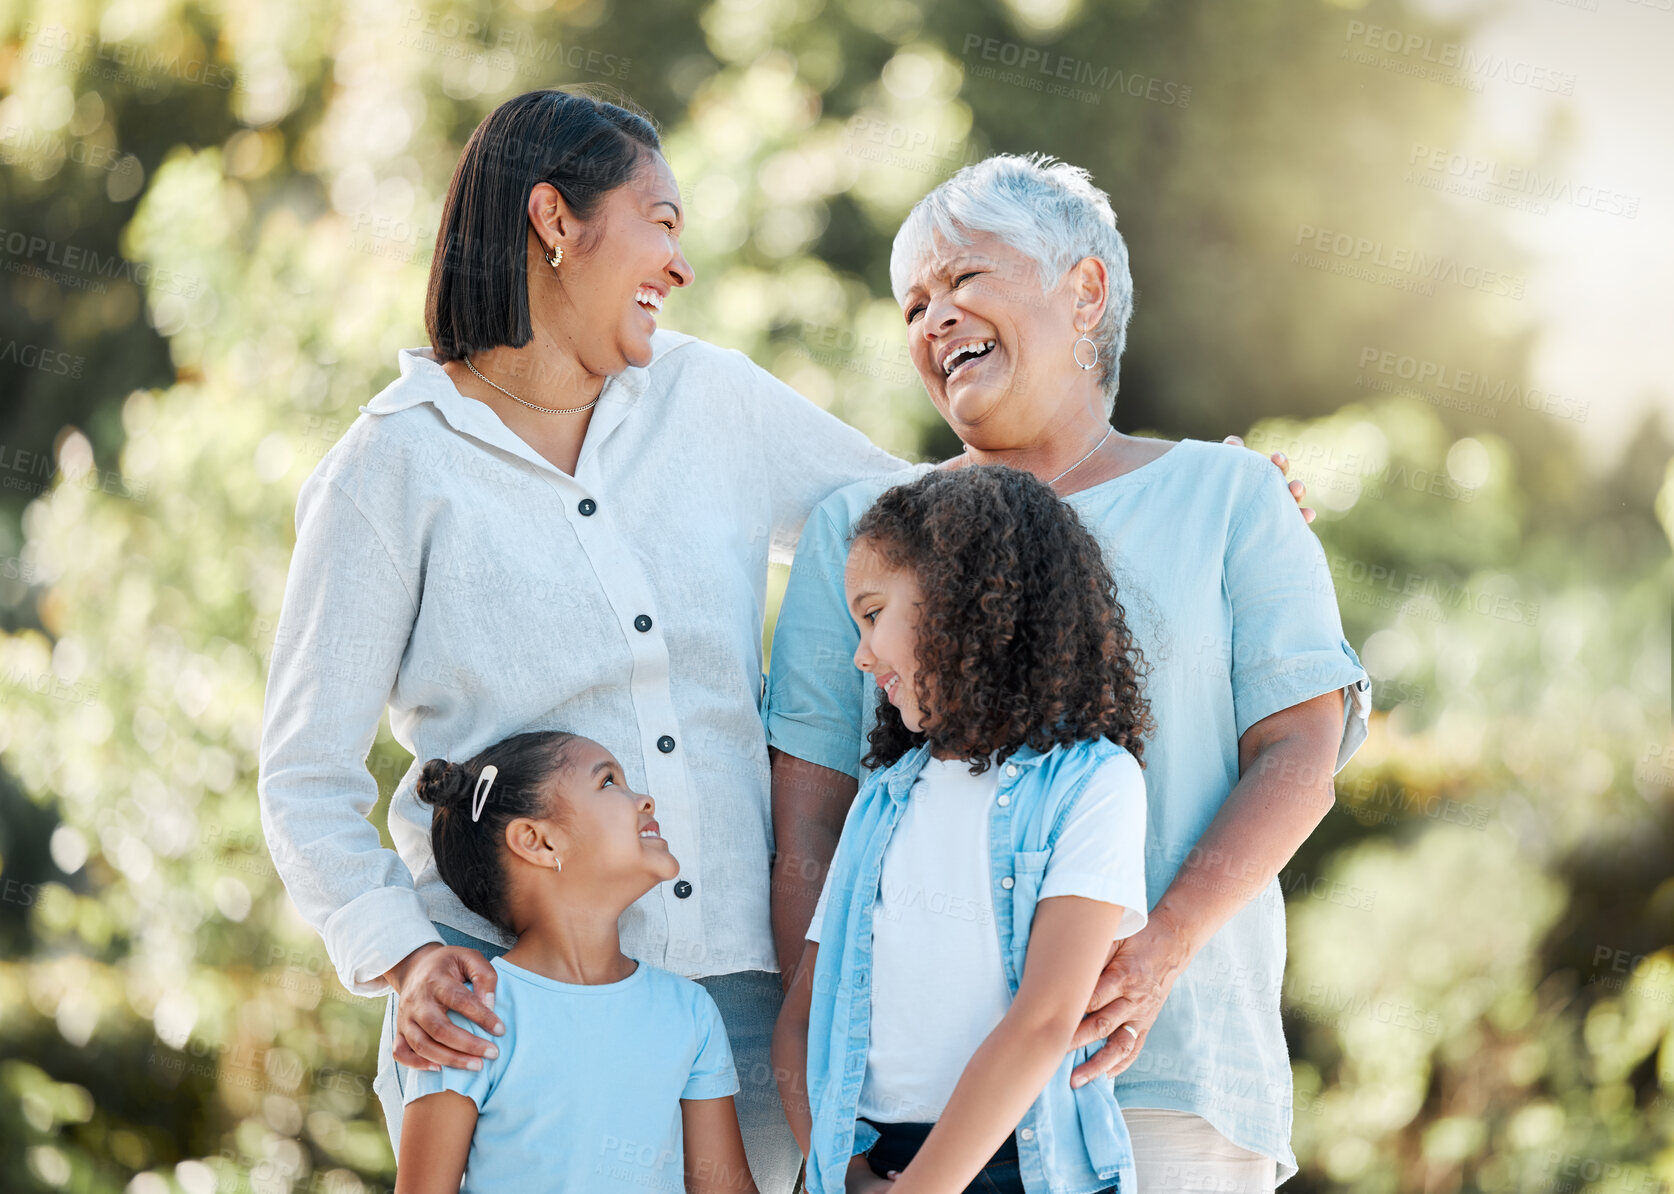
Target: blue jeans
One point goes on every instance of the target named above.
(749, 1004)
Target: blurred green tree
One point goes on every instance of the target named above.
(1480, 987)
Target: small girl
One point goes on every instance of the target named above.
(611, 1074)
(987, 868)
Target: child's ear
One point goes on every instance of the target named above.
(539, 843)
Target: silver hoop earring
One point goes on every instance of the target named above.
(554, 255)
(1075, 351)
(557, 864)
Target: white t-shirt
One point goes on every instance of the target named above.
(938, 983)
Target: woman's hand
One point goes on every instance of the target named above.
(1297, 488)
(861, 1180)
(429, 981)
(1128, 997)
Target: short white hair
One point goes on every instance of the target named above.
(1052, 212)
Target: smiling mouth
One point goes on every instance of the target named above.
(652, 830)
(649, 300)
(964, 355)
(889, 686)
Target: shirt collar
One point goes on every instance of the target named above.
(903, 773)
(424, 380)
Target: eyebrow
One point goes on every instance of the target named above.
(951, 266)
(598, 767)
(859, 597)
(670, 204)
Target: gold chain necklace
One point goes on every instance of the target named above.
(545, 410)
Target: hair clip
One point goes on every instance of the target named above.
(485, 780)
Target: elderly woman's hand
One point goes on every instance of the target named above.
(428, 982)
(1297, 488)
(1128, 997)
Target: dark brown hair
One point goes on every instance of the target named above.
(584, 146)
(1021, 638)
(468, 853)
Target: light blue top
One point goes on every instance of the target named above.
(585, 1095)
(1228, 594)
(1070, 1141)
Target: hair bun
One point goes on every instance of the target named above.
(443, 784)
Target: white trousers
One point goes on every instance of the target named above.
(1176, 1150)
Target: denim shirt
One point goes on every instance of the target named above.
(1069, 1141)
(1230, 597)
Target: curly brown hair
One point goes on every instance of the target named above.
(1021, 637)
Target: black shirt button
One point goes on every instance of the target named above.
(682, 889)
(665, 744)
(587, 506)
(642, 623)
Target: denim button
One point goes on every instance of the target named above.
(665, 744)
(1011, 768)
(587, 506)
(1008, 883)
(682, 889)
(642, 623)
(1003, 800)
(1026, 1134)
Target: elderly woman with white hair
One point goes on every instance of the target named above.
(1014, 285)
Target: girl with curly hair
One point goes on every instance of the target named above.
(993, 856)
(611, 1073)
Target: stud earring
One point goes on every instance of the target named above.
(554, 255)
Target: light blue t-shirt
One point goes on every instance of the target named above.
(1228, 595)
(584, 1097)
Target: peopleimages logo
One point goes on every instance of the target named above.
(927, 152)
(1435, 375)
(1381, 581)
(1358, 254)
(1477, 177)
(23, 249)
(1059, 74)
(47, 360)
(127, 62)
(1453, 55)
(20, 144)
(510, 50)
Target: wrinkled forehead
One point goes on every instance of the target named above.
(928, 252)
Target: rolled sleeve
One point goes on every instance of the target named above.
(373, 932)
(713, 1074)
(342, 631)
(475, 1085)
(1287, 634)
(815, 692)
(1100, 853)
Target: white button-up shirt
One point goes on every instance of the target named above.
(445, 569)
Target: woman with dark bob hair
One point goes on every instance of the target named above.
(558, 517)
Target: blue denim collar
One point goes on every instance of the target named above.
(900, 776)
